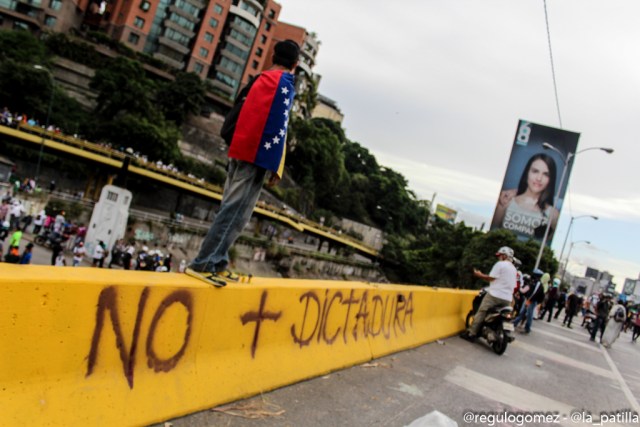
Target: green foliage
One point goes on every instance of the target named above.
(154, 137)
(123, 88)
(75, 50)
(317, 163)
(22, 46)
(199, 169)
(185, 95)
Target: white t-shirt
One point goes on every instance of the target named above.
(505, 275)
(98, 252)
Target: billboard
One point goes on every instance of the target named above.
(446, 214)
(532, 181)
(629, 286)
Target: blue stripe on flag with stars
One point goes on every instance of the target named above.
(274, 136)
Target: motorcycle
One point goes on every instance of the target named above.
(588, 321)
(497, 328)
(50, 239)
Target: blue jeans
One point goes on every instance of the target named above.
(526, 310)
(241, 192)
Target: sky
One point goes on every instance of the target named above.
(435, 89)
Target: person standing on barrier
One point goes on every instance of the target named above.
(257, 145)
(502, 280)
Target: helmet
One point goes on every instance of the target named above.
(505, 250)
(556, 282)
(537, 272)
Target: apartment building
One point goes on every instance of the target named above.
(225, 41)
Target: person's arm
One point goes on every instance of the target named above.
(503, 201)
(479, 274)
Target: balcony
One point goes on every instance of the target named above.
(173, 45)
(197, 3)
(305, 67)
(255, 21)
(255, 4)
(176, 9)
(174, 25)
(172, 62)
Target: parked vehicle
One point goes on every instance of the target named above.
(497, 328)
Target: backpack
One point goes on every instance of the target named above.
(619, 315)
(229, 125)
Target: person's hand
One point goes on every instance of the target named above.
(476, 272)
(505, 197)
(274, 179)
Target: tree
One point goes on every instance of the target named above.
(317, 163)
(123, 88)
(153, 137)
(181, 97)
(22, 46)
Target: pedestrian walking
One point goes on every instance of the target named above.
(99, 254)
(602, 314)
(573, 305)
(617, 316)
(27, 254)
(562, 300)
(78, 253)
(550, 300)
(532, 298)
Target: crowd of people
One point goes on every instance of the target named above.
(67, 238)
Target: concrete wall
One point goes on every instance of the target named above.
(109, 347)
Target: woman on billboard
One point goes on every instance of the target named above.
(527, 209)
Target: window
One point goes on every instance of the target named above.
(134, 38)
(254, 65)
(204, 52)
(267, 26)
(272, 13)
(50, 21)
(198, 68)
(182, 21)
(145, 5)
(177, 37)
(19, 25)
(208, 37)
(138, 22)
(217, 9)
(213, 23)
(263, 39)
(259, 52)
(55, 4)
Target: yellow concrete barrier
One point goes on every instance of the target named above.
(83, 346)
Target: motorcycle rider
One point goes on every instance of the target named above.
(502, 281)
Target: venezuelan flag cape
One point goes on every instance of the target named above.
(261, 129)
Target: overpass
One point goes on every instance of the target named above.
(91, 152)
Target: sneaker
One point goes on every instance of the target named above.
(210, 278)
(228, 275)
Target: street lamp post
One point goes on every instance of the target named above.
(567, 160)
(569, 254)
(569, 230)
(46, 124)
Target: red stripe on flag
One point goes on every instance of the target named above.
(253, 117)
